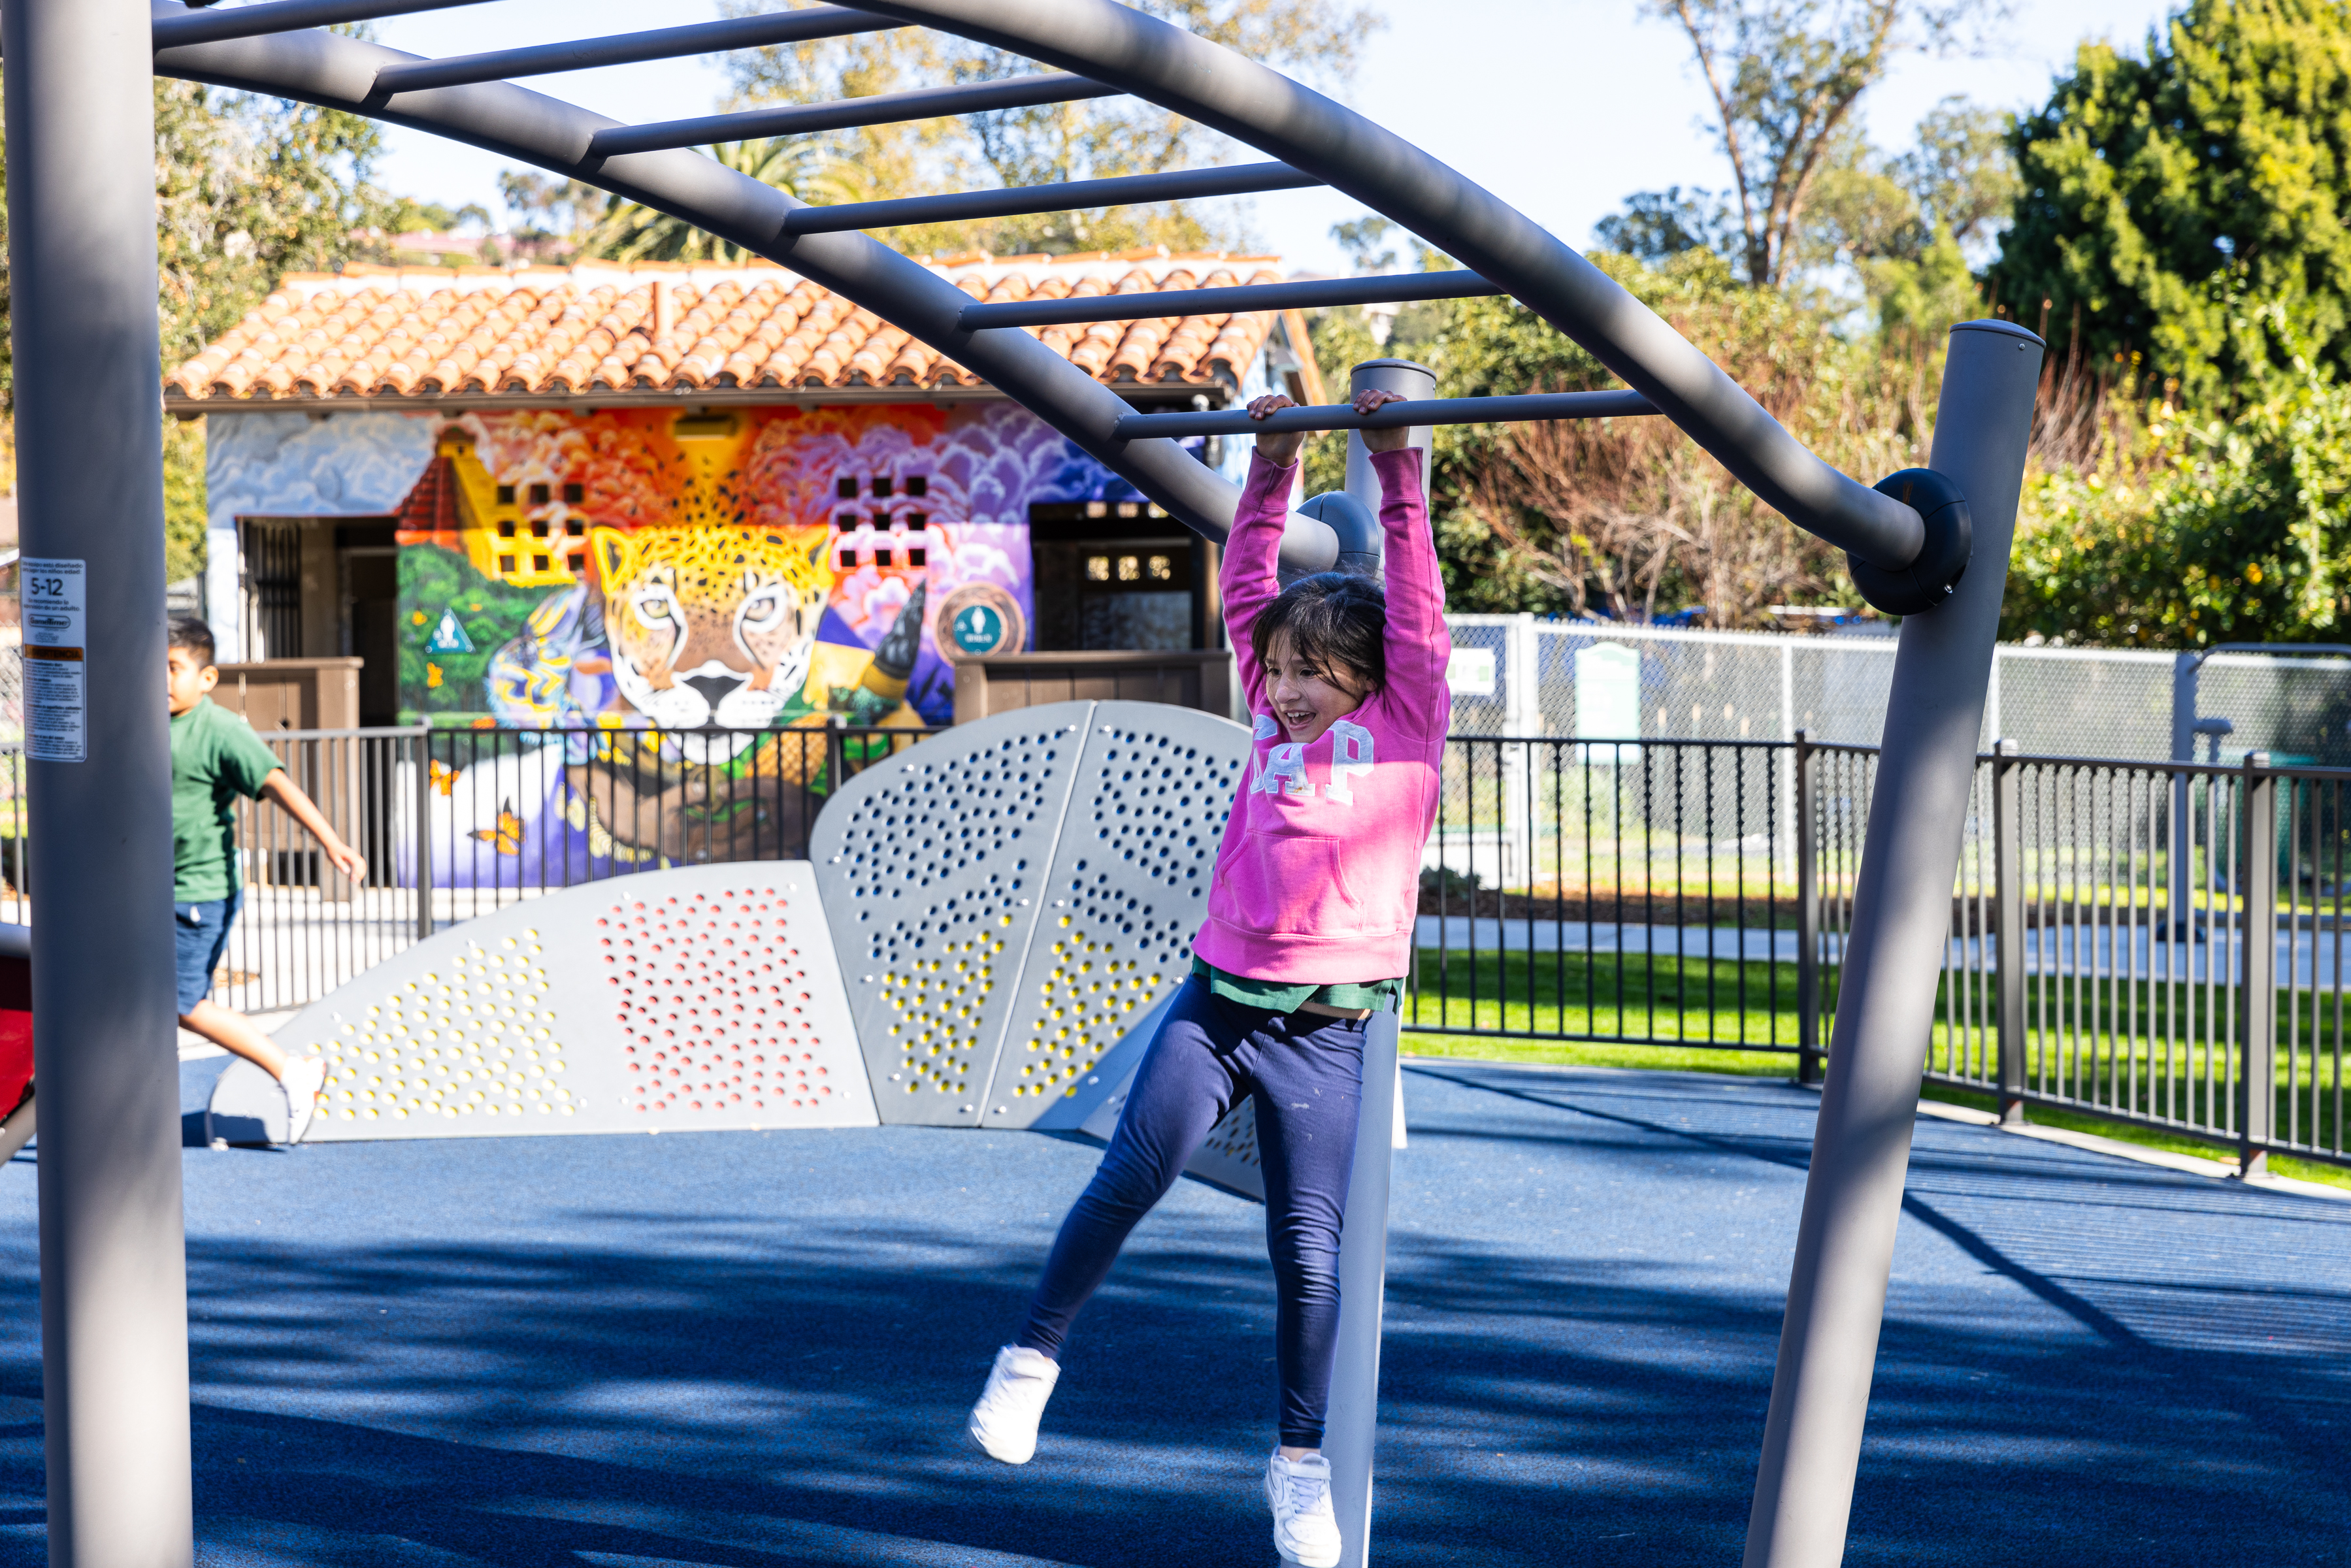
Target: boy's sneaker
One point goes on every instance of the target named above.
(1305, 1530)
(1003, 1422)
(305, 1077)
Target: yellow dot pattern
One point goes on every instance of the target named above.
(1088, 998)
(474, 1037)
(935, 1012)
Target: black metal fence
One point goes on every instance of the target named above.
(2146, 942)
(2149, 943)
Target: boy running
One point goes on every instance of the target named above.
(216, 758)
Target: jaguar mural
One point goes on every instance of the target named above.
(693, 618)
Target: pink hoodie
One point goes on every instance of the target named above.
(1318, 879)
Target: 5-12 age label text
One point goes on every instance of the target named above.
(57, 696)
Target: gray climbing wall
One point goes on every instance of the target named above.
(1009, 898)
(700, 997)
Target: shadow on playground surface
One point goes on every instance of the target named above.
(756, 1350)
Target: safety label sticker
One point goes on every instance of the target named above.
(57, 696)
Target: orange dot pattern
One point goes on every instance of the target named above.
(712, 997)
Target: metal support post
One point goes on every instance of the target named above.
(1886, 1004)
(1415, 381)
(1353, 1424)
(2257, 930)
(2181, 839)
(1808, 913)
(2008, 896)
(81, 253)
(424, 831)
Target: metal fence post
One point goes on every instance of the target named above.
(81, 251)
(2257, 929)
(1894, 960)
(1808, 916)
(2007, 894)
(424, 831)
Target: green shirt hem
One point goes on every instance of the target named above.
(1281, 997)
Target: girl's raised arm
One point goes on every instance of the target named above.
(1418, 646)
(1245, 581)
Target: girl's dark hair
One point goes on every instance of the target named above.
(1336, 621)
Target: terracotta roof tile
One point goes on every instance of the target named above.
(531, 331)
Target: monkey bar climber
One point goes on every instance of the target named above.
(1929, 544)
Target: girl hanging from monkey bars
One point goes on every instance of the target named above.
(1310, 926)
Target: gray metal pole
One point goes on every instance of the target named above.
(1351, 1431)
(1417, 383)
(81, 251)
(1901, 925)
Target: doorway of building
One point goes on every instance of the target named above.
(1118, 576)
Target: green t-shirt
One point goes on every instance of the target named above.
(1282, 997)
(216, 758)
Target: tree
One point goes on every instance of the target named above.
(2188, 203)
(560, 210)
(2226, 529)
(1784, 76)
(1656, 225)
(1092, 139)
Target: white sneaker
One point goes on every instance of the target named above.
(1003, 1422)
(1305, 1530)
(305, 1077)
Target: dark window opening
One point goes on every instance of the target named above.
(505, 495)
(849, 558)
(881, 486)
(573, 494)
(506, 563)
(917, 556)
(577, 563)
(539, 528)
(505, 528)
(847, 519)
(540, 495)
(1103, 585)
(538, 563)
(846, 490)
(917, 485)
(882, 555)
(575, 526)
(918, 519)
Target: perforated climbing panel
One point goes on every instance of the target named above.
(1009, 898)
(706, 996)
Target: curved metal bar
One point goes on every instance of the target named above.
(1314, 294)
(177, 26)
(338, 72)
(880, 109)
(1062, 196)
(1205, 81)
(1394, 415)
(628, 48)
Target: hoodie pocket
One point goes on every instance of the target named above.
(1292, 885)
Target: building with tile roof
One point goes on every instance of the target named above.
(449, 472)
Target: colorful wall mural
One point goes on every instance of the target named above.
(689, 600)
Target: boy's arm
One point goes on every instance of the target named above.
(283, 792)
(1418, 646)
(1247, 580)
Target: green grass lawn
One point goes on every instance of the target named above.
(1682, 1003)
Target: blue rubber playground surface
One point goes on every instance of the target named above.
(755, 1350)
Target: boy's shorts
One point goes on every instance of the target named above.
(200, 933)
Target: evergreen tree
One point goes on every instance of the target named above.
(2188, 209)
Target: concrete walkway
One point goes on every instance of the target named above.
(755, 1350)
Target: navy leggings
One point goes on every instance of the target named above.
(1306, 1073)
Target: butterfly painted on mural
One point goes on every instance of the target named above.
(507, 834)
(445, 778)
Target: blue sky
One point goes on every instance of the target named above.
(1562, 108)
